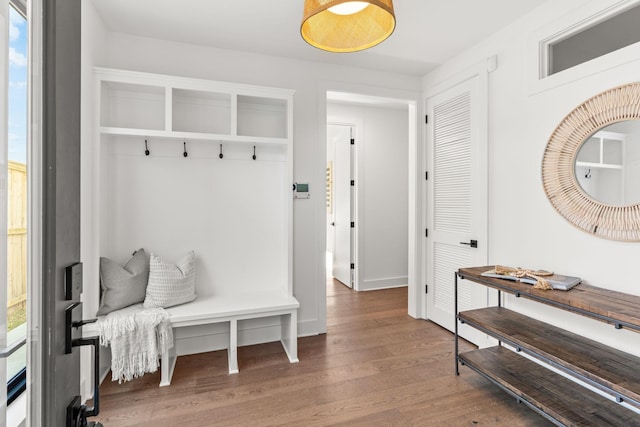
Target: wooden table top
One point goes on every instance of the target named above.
(617, 308)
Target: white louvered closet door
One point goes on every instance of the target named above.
(456, 201)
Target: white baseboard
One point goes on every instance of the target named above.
(386, 283)
(309, 328)
(220, 340)
(200, 339)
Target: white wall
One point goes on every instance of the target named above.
(382, 177)
(524, 229)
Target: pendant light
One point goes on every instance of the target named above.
(347, 26)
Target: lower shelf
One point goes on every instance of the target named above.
(608, 369)
(551, 395)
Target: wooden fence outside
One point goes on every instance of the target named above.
(17, 237)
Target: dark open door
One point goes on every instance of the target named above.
(60, 382)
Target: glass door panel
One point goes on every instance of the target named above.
(16, 202)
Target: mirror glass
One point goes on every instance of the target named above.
(607, 165)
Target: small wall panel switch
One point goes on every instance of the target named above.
(301, 191)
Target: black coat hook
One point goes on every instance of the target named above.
(146, 148)
(221, 155)
(254, 153)
(185, 154)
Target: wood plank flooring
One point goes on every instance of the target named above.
(375, 366)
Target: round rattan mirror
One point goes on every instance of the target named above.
(610, 221)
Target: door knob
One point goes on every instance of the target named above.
(472, 243)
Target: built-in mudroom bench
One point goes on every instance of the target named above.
(533, 359)
(181, 164)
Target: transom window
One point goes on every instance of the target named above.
(597, 39)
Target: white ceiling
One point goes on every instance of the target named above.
(428, 32)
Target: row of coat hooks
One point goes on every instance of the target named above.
(185, 154)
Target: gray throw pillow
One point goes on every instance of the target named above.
(123, 286)
(170, 284)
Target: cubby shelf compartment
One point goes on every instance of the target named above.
(119, 100)
(562, 400)
(198, 111)
(260, 116)
(154, 105)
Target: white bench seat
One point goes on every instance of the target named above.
(232, 308)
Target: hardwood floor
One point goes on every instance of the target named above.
(375, 366)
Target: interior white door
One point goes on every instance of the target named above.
(340, 136)
(456, 201)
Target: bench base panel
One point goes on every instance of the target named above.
(288, 338)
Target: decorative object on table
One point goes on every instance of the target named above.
(347, 26)
(123, 286)
(170, 284)
(540, 279)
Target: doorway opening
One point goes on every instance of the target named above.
(367, 179)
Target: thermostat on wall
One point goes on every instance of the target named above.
(301, 191)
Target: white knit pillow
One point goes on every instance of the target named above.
(170, 284)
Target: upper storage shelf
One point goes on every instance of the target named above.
(154, 105)
(260, 116)
(202, 112)
(119, 100)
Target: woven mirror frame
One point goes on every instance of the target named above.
(558, 166)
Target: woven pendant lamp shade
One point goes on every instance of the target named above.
(333, 32)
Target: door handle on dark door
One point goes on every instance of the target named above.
(472, 243)
(77, 413)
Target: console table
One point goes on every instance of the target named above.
(554, 396)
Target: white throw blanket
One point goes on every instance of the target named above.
(138, 336)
